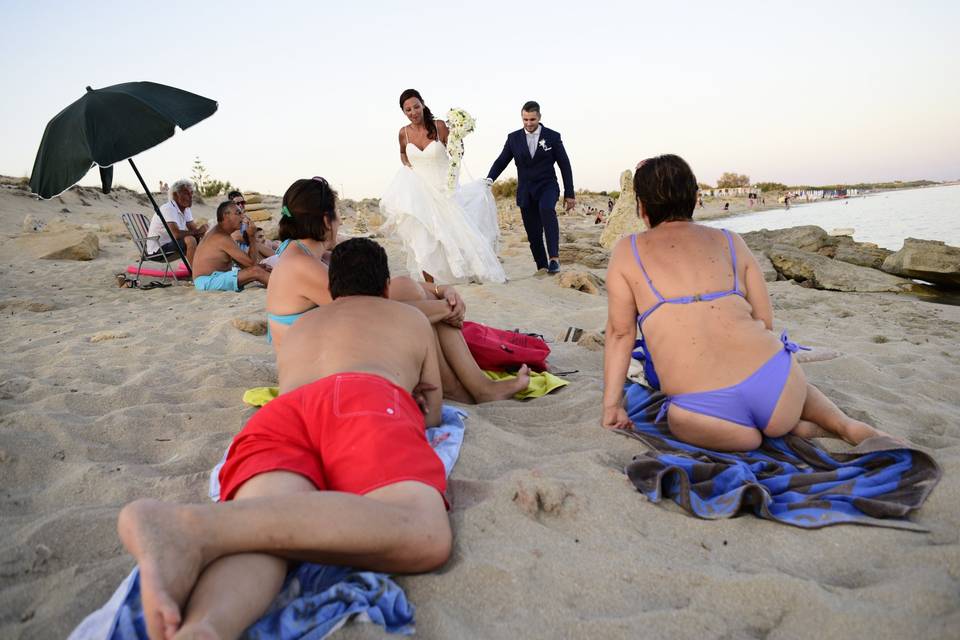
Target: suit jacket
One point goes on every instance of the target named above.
(536, 173)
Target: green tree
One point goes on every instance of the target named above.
(771, 186)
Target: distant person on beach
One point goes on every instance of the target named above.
(220, 265)
(534, 149)
(726, 206)
(786, 202)
(707, 321)
(610, 205)
(599, 218)
(179, 223)
(336, 470)
(300, 283)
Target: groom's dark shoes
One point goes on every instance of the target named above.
(554, 267)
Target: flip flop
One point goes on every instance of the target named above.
(155, 285)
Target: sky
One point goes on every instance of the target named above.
(799, 93)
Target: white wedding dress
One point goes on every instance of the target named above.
(453, 237)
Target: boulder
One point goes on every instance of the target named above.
(766, 267)
(806, 238)
(581, 281)
(66, 245)
(260, 216)
(589, 255)
(930, 260)
(623, 220)
(865, 254)
(252, 198)
(820, 272)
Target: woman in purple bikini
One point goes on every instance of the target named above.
(706, 320)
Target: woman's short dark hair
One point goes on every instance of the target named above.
(358, 267)
(234, 194)
(531, 106)
(427, 115)
(309, 203)
(667, 188)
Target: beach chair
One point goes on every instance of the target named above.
(138, 226)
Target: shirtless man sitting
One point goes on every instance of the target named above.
(335, 470)
(215, 265)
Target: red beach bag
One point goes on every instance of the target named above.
(500, 350)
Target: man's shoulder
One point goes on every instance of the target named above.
(168, 206)
(549, 133)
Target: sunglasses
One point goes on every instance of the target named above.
(239, 202)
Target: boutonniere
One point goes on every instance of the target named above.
(543, 145)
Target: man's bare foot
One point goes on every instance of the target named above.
(158, 536)
(504, 389)
(807, 429)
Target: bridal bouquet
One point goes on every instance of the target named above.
(459, 123)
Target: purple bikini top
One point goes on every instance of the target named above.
(700, 297)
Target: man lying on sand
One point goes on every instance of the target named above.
(336, 470)
(215, 265)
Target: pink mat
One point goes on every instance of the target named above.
(180, 271)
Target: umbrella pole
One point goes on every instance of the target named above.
(156, 209)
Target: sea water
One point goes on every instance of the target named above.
(885, 218)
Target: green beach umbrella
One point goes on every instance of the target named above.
(111, 125)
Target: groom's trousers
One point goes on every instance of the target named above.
(540, 221)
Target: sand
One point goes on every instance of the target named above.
(111, 394)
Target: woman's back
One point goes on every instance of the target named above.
(700, 330)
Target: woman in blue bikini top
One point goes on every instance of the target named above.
(707, 320)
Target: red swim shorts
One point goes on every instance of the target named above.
(351, 432)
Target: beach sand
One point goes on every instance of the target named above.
(110, 394)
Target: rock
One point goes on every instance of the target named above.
(109, 335)
(930, 260)
(589, 255)
(806, 238)
(623, 220)
(66, 245)
(592, 340)
(820, 272)
(261, 216)
(360, 224)
(841, 231)
(255, 326)
(865, 254)
(32, 225)
(581, 281)
(766, 267)
(252, 198)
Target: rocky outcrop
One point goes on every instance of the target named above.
(864, 254)
(821, 272)
(806, 238)
(66, 245)
(766, 267)
(623, 220)
(581, 281)
(930, 260)
(589, 255)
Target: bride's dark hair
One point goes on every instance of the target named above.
(427, 116)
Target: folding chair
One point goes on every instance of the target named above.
(138, 226)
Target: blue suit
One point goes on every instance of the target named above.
(537, 188)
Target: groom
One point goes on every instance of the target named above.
(534, 149)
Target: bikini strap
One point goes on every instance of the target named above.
(636, 254)
(304, 249)
(733, 259)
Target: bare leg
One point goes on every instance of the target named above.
(249, 580)
(820, 410)
(450, 383)
(255, 273)
(190, 243)
(482, 388)
(807, 429)
(402, 527)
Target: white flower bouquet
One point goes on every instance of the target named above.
(459, 123)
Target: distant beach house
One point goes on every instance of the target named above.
(728, 192)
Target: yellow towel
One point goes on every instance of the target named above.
(540, 383)
(259, 396)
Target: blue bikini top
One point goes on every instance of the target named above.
(289, 318)
(641, 352)
(700, 297)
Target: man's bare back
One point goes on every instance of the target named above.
(363, 334)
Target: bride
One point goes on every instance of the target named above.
(447, 236)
